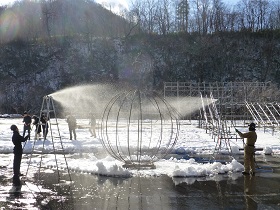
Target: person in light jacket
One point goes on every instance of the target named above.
(249, 149)
(72, 124)
(92, 122)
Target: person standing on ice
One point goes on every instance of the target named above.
(37, 126)
(17, 139)
(249, 149)
(72, 124)
(92, 122)
(27, 123)
(45, 126)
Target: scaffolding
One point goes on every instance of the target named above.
(231, 95)
(225, 104)
(266, 115)
(219, 129)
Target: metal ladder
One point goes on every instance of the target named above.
(48, 109)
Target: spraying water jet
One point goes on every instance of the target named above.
(136, 127)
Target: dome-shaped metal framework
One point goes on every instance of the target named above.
(138, 128)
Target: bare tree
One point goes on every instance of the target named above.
(262, 14)
(133, 23)
(164, 17)
(217, 21)
(231, 21)
(202, 15)
(30, 27)
(183, 10)
(274, 16)
(146, 11)
(48, 14)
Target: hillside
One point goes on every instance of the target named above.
(30, 70)
(49, 45)
(36, 20)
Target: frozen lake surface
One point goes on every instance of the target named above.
(189, 178)
(87, 191)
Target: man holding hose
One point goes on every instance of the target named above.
(249, 149)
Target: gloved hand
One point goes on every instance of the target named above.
(236, 130)
(26, 137)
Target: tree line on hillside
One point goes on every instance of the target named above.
(205, 16)
(48, 18)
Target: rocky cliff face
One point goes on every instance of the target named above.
(29, 71)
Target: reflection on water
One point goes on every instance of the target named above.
(87, 191)
(249, 191)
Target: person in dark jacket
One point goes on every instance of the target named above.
(36, 122)
(17, 139)
(45, 126)
(27, 123)
(72, 124)
(249, 149)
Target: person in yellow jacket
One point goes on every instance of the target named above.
(249, 149)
